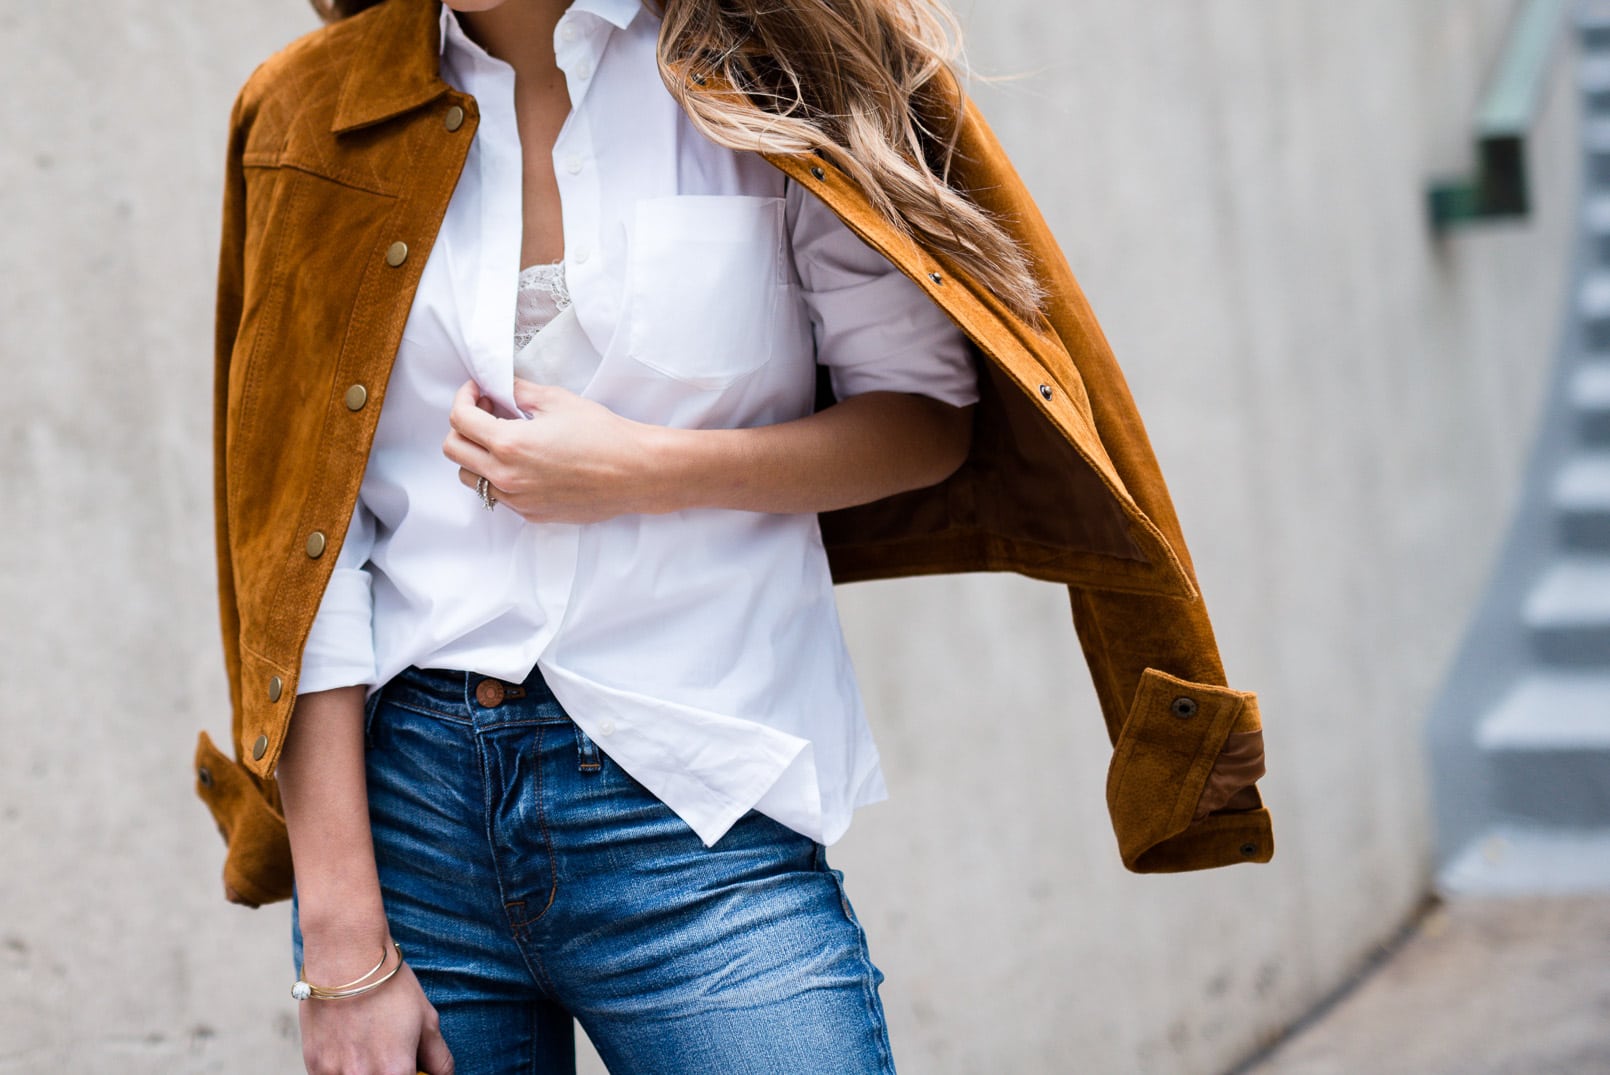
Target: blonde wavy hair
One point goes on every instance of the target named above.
(874, 86)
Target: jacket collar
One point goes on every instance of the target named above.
(397, 64)
(395, 67)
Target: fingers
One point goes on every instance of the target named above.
(469, 419)
(471, 479)
(434, 1057)
(535, 395)
(468, 454)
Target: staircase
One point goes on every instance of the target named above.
(1529, 797)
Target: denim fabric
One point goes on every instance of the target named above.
(530, 880)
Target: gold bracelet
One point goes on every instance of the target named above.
(305, 990)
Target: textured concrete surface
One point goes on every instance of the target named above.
(1341, 404)
(1479, 987)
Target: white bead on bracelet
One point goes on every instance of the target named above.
(305, 990)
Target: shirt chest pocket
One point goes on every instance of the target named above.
(704, 277)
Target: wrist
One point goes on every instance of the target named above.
(336, 952)
(663, 481)
(341, 920)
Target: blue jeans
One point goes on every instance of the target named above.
(531, 881)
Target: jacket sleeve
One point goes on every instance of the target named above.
(1187, 749)
(246, 809)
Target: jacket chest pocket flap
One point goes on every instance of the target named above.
(704, 275)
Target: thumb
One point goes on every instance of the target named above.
(434, 1057)
(534, 395)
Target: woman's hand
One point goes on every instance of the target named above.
(573, 461)
(390, 1029)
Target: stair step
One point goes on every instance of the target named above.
(1548, 741)
(1596, 218)
(1550, 712)
(1568, 612)
(1582, 499)
(1593, 308)
(1590, 400)
(1594, 80)
(1596, 143)
(1593, 25)
(1515, 859)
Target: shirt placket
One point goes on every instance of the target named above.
(490, 324)
(579, 40)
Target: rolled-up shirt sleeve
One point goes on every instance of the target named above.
(340, 650)
(875, 329)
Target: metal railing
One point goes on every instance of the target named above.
(1503, 123)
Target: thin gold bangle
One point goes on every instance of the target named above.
(305, 990)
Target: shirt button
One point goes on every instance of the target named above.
(607, 728)
(584, 71)
(568, 32)
(580, 255)
(573, 163)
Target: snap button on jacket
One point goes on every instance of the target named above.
(344, 149)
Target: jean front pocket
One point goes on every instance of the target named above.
(704, 276)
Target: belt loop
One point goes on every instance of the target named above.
(587, 759)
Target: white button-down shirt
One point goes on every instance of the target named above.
(700, 648)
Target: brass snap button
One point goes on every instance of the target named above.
(454, 119)
(276, 687)
(356, 397)
(315, 544)
(396, 253)
(489, 692)
(816, 171)
(936, 278)
(1045, 392)
(204, 775)
(1184, 708)
(260, 747)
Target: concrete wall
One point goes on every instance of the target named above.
(1340, 402)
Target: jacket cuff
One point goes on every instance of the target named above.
(257, 865)
(1183, 745)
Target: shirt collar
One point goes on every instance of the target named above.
(394, 69)
(618, 13)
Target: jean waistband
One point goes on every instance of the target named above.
(475, 698)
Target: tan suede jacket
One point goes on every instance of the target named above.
(344, 150)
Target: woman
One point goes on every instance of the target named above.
(573, 718)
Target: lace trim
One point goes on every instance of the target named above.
(543, 293)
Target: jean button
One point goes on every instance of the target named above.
(489, 692)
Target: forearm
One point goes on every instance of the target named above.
(865, 447)
(323, 792)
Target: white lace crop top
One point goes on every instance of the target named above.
(542, 295)
(549, 344)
